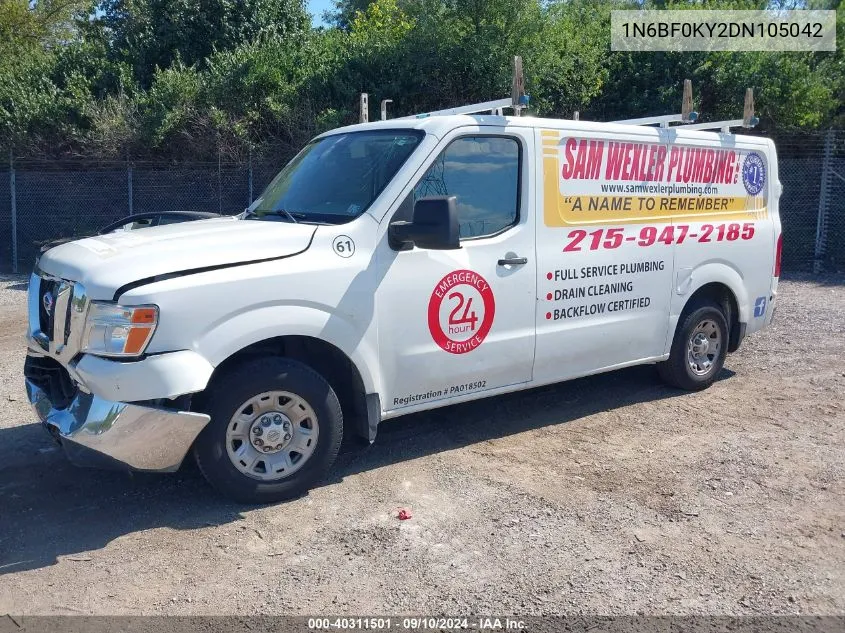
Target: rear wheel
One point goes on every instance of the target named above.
(275, 430)
(698, 349)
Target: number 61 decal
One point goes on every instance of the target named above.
(343, 246)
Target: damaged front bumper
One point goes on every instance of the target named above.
(104, 430)
(102, 433)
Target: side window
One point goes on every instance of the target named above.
(483, 173)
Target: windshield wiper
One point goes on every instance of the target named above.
(282, 212)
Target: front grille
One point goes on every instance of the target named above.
(45, 319)
(57, 310)
(48, 375)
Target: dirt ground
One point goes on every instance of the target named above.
(607, 495)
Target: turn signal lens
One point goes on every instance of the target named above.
(114, 330)
(146, 316)
(778, 253)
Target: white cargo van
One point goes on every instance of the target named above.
(398, 266)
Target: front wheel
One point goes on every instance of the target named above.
(275, 430)
(698, 349)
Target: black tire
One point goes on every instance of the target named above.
(236, 387)
(676, 371)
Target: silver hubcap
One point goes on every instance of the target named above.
(272, 435)
(703, 348)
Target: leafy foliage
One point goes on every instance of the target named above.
(191, 78)
(25, 24)
(151, 34)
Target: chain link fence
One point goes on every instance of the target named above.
(46, 200)
(41, 201)
(812, 208)
(7, 228)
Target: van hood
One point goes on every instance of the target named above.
(106, 263)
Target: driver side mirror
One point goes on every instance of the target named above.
(435, 226)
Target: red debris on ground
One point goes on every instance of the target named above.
(404, 514)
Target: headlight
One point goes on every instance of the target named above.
(114, 330)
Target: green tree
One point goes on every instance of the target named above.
(344, 12)
(189, 78)
(792, 89)
(48, 74)
(150, 34)
(29, 24)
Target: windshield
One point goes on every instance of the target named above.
(336, 178)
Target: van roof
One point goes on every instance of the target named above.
(441, 125)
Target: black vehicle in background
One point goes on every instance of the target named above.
(139, 221)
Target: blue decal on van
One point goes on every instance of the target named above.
(753, 174)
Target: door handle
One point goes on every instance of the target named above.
(513, 261)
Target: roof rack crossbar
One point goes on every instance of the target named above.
(724, 126)
(663, 121)
(474, 108)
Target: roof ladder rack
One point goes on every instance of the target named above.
(686, 116)
(748, 119)
(518, 100)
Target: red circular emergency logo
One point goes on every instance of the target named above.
(460, 311)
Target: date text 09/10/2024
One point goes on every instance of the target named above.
(416, 623)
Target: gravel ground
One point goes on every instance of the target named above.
(611, 495)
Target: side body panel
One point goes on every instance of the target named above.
(734, 246)
(604, 291)
(455, 323)
(633, 222)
